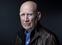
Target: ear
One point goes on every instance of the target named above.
(39, 15)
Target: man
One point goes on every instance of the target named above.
(32, 33)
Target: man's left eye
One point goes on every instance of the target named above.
(30, 14)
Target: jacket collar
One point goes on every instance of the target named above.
(35, 33)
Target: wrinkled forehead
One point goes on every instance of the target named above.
(31, 6)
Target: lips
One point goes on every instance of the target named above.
(27, 24)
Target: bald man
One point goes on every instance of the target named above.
(32, 33)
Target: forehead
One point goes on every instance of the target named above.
(27, 9)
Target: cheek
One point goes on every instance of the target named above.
(21, 19)
(32, 19)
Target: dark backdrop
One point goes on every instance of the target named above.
(52, 11)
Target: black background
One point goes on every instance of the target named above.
(52, 11)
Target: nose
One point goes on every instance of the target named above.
(26, 18)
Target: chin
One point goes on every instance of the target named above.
(27, 28)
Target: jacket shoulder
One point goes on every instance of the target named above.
(46, 34)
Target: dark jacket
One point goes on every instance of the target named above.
(39, 36)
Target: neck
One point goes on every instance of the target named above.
(30, 30)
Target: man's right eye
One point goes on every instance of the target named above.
(22, 14)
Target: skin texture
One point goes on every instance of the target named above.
(29, 15)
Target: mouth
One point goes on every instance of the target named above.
(27, 24)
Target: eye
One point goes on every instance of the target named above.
(29, 14)
(22, 14)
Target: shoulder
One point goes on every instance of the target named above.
(46, 32)
(47, 35)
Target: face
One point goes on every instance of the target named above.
(28, 17)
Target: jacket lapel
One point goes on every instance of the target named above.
(35, 37)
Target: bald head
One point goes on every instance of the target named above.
(29, 5)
